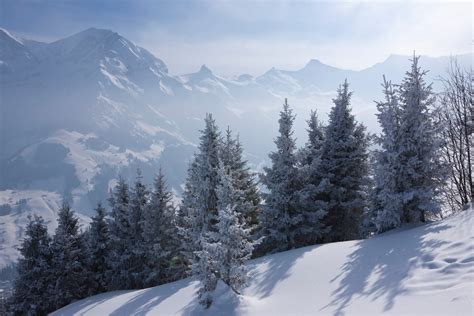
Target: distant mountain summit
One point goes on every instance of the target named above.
(14, 54)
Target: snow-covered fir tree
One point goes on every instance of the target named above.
(309, 227)
(281, 180)
(121, 233)
(188, 229)
(311, 152)
(234, 247)
(139, 197)
(72, 279)
(31, 295)
(161, 236)
(386, 199)
(343, 168)
(242, 179)
(225, 251)
(98, 250)
(198, 210)
(204, 268)
(119, 201)
(201, 211)
(129, 266)
(421, 173)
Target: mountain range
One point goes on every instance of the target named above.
(78, 112)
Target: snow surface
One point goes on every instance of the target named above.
(424, 270)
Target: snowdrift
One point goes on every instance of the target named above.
(423, 270)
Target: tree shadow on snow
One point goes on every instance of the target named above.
(147, 299)
(225, 303)
(278, 268)
(264, 275)
(78, 307)
(386, 263)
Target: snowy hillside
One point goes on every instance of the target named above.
(424, 270)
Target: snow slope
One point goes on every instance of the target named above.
(425, 270)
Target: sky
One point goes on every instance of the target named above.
(235, 37)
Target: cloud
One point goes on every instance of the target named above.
(359, 35)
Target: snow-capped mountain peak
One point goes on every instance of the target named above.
(314, 63)
(6, 36)
(13, 53)
(204, 73)
(204, 70)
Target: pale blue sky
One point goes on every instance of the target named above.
(233, 37)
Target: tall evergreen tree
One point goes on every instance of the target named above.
(234, 246)
(223, 252)
(70, 268)
(121, 229)
(387, 199)
(129, 266)
(161, 236)
(281, 180)
(30, 290)
(242, 179)
(119, 201)
(98, 244)
(343, 171)
(204, 268)
(187, 224)
(199, 206)
(309, 228)
(138, 203)
(421, 172)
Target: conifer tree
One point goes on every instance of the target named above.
(242, 179)
(187, 224)
(204, 268)
(138, 202)
(119, 201)
(35, 273)
(98, 244)
(161, 236)
(200, 209)
(342, 191)
(421, 173)
(121, 235)
(72, 279)
(281, 180)
(387, 200)
(199, 206)
(309, 228)
(129, 266)
(225, 251)
(234, 246)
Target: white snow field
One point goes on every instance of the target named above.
(423, 270)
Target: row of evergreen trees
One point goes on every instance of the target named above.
(317, 193)
(326, 191)
(133, 247)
